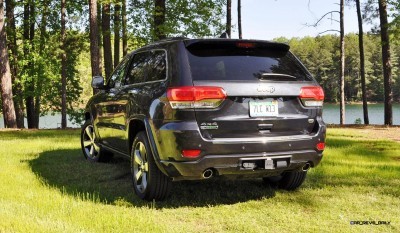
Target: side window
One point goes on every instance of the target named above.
(147, 66)
(117, 77)
(138, 71)
(158, 66)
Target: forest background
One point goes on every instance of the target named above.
(51, 59)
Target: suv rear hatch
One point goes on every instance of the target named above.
(252, 89)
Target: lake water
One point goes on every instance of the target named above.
(47, 122)
(331, 113)
(330, 116)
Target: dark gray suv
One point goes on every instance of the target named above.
(192, 109)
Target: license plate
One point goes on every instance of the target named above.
(263, 109)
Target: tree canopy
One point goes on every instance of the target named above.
(37, 43)
(321, 57)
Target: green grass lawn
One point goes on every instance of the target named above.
(47, 186)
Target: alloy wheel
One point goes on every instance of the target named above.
(140, 167)
(90, 147)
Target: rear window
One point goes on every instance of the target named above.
(246, 64)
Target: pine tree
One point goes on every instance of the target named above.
(362, 62)
(159, 19)
(5, 75)
(105, 15)
(386, 61)
(94, 41)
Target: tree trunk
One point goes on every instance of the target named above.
(10, 120)
(63, 69)
(28, 36)
(40, 75)
(228, 18)
(342, 103)
(100, 36)
(108, 64)
(117, 15)
(159, 19)
(386, 62)
(25, 33)
(124, 31)
(12, 44)
(362, 62)
(94, 40)
(240, 19)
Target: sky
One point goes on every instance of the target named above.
(269, 19)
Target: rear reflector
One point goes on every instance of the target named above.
(312, 96)
(191, 153)
(195, 97)
(321, 146)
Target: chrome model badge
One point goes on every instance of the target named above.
(266, 89)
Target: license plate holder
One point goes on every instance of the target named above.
(263, 108)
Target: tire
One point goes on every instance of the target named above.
(149, 182)
(289, 180)
(292, 180)
(90, 147)
(272, 181)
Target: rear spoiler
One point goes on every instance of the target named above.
(235, 43)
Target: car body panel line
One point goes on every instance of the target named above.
(259, 140)
(114, 150)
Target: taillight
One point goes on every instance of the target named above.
(312, 96)
(321, 146)
(195, 97)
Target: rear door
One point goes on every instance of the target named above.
(263, 83)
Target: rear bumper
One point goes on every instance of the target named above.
(225, 157)
(233, 165)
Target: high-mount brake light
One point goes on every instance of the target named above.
(312, 96)
(195, 97)
(246, 45)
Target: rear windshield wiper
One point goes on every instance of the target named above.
(276, 77)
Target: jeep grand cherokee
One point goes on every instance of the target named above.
(192, 109)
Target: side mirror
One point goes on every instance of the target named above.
(98, 82)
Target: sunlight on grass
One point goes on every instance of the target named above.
(47, 186)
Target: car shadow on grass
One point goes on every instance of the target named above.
(110, 183)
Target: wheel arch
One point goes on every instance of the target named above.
(88, 116)
(134, 127)
(137, 125)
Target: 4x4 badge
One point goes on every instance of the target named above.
(267, 89)
(209, 125)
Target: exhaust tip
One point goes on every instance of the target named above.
(306, 167)
(208, 173)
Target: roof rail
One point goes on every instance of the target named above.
(172, 39)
